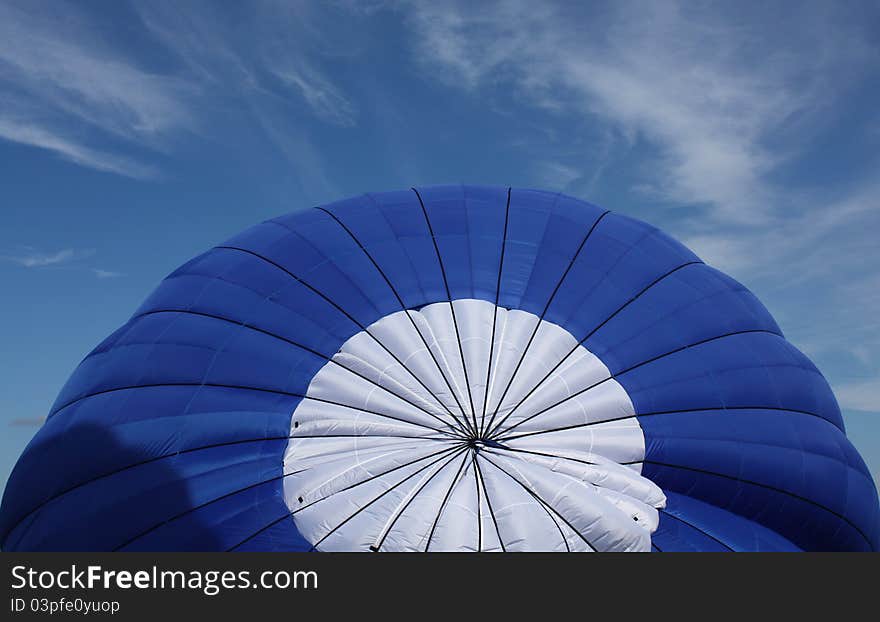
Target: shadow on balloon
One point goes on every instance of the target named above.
(106, 493)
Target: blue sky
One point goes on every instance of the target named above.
(135, 135)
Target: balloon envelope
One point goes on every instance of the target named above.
(448, 368)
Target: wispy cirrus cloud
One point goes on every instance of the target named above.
(322, 96)
(710, 92)
(26, 133)
(860, 395)
(273, 75)
(30, 257)
(66, 91)
(60, 61)
(107, 274)
(67, 258)
(69, 88)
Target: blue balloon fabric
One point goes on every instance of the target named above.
(445, 368)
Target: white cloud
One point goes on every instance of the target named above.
(263, 73)
(37, 260)
(325, 99)
(64, 90)
(823, 237)
(556, 175)
(861, 395)
(106, 274)
(41, 137)
(707, 90)
(30, 257)
(62, 64)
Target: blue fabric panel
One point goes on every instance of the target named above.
(620, 259)
(403, 213)
(176, 348)
(486, 212)
(447, 214)
(305, 259)
(747, 369)
(690, 305)
(687, 524)
(242, 288)
(527, 222)
(799, 519)
(229, 523)
(148, 495)
(675, 536)
(134, 429)
(771, 457)
(372, 226)
(280, 536)
(545, 235)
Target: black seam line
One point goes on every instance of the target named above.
(199, 507)
(482, 482)
(558, 527)
(398, 513)
(590, 334)
(541, 318)
(350, 317)
(659, 550)
(373, 477)
(768, 487)
(495, 314)
(297, 345)
(455, 481)
(479, 502)
(543, 503)
(385, 492)
(451, 309)
(418, 438)
(290, 514)
(667, 412)
(202, 448)
(132, 466)
(400, 301)
(691, 525)
(546, 455)
(840, 460)
(245, 388)
(538, 453)
(631, 368)
(406, 312)
(425, 341)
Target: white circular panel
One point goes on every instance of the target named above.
(399, 446)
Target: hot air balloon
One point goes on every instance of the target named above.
(445, 369)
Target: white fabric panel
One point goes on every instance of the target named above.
(444, 343)
(490, 541)
(523, 522)
(601, 523)
(334, 384)
(384, 455)
(457, 526)
(347, 512)
(322, 418)
(516, 331)
(615, 441)
(412, 529)
(475, 330)
(406, 338)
